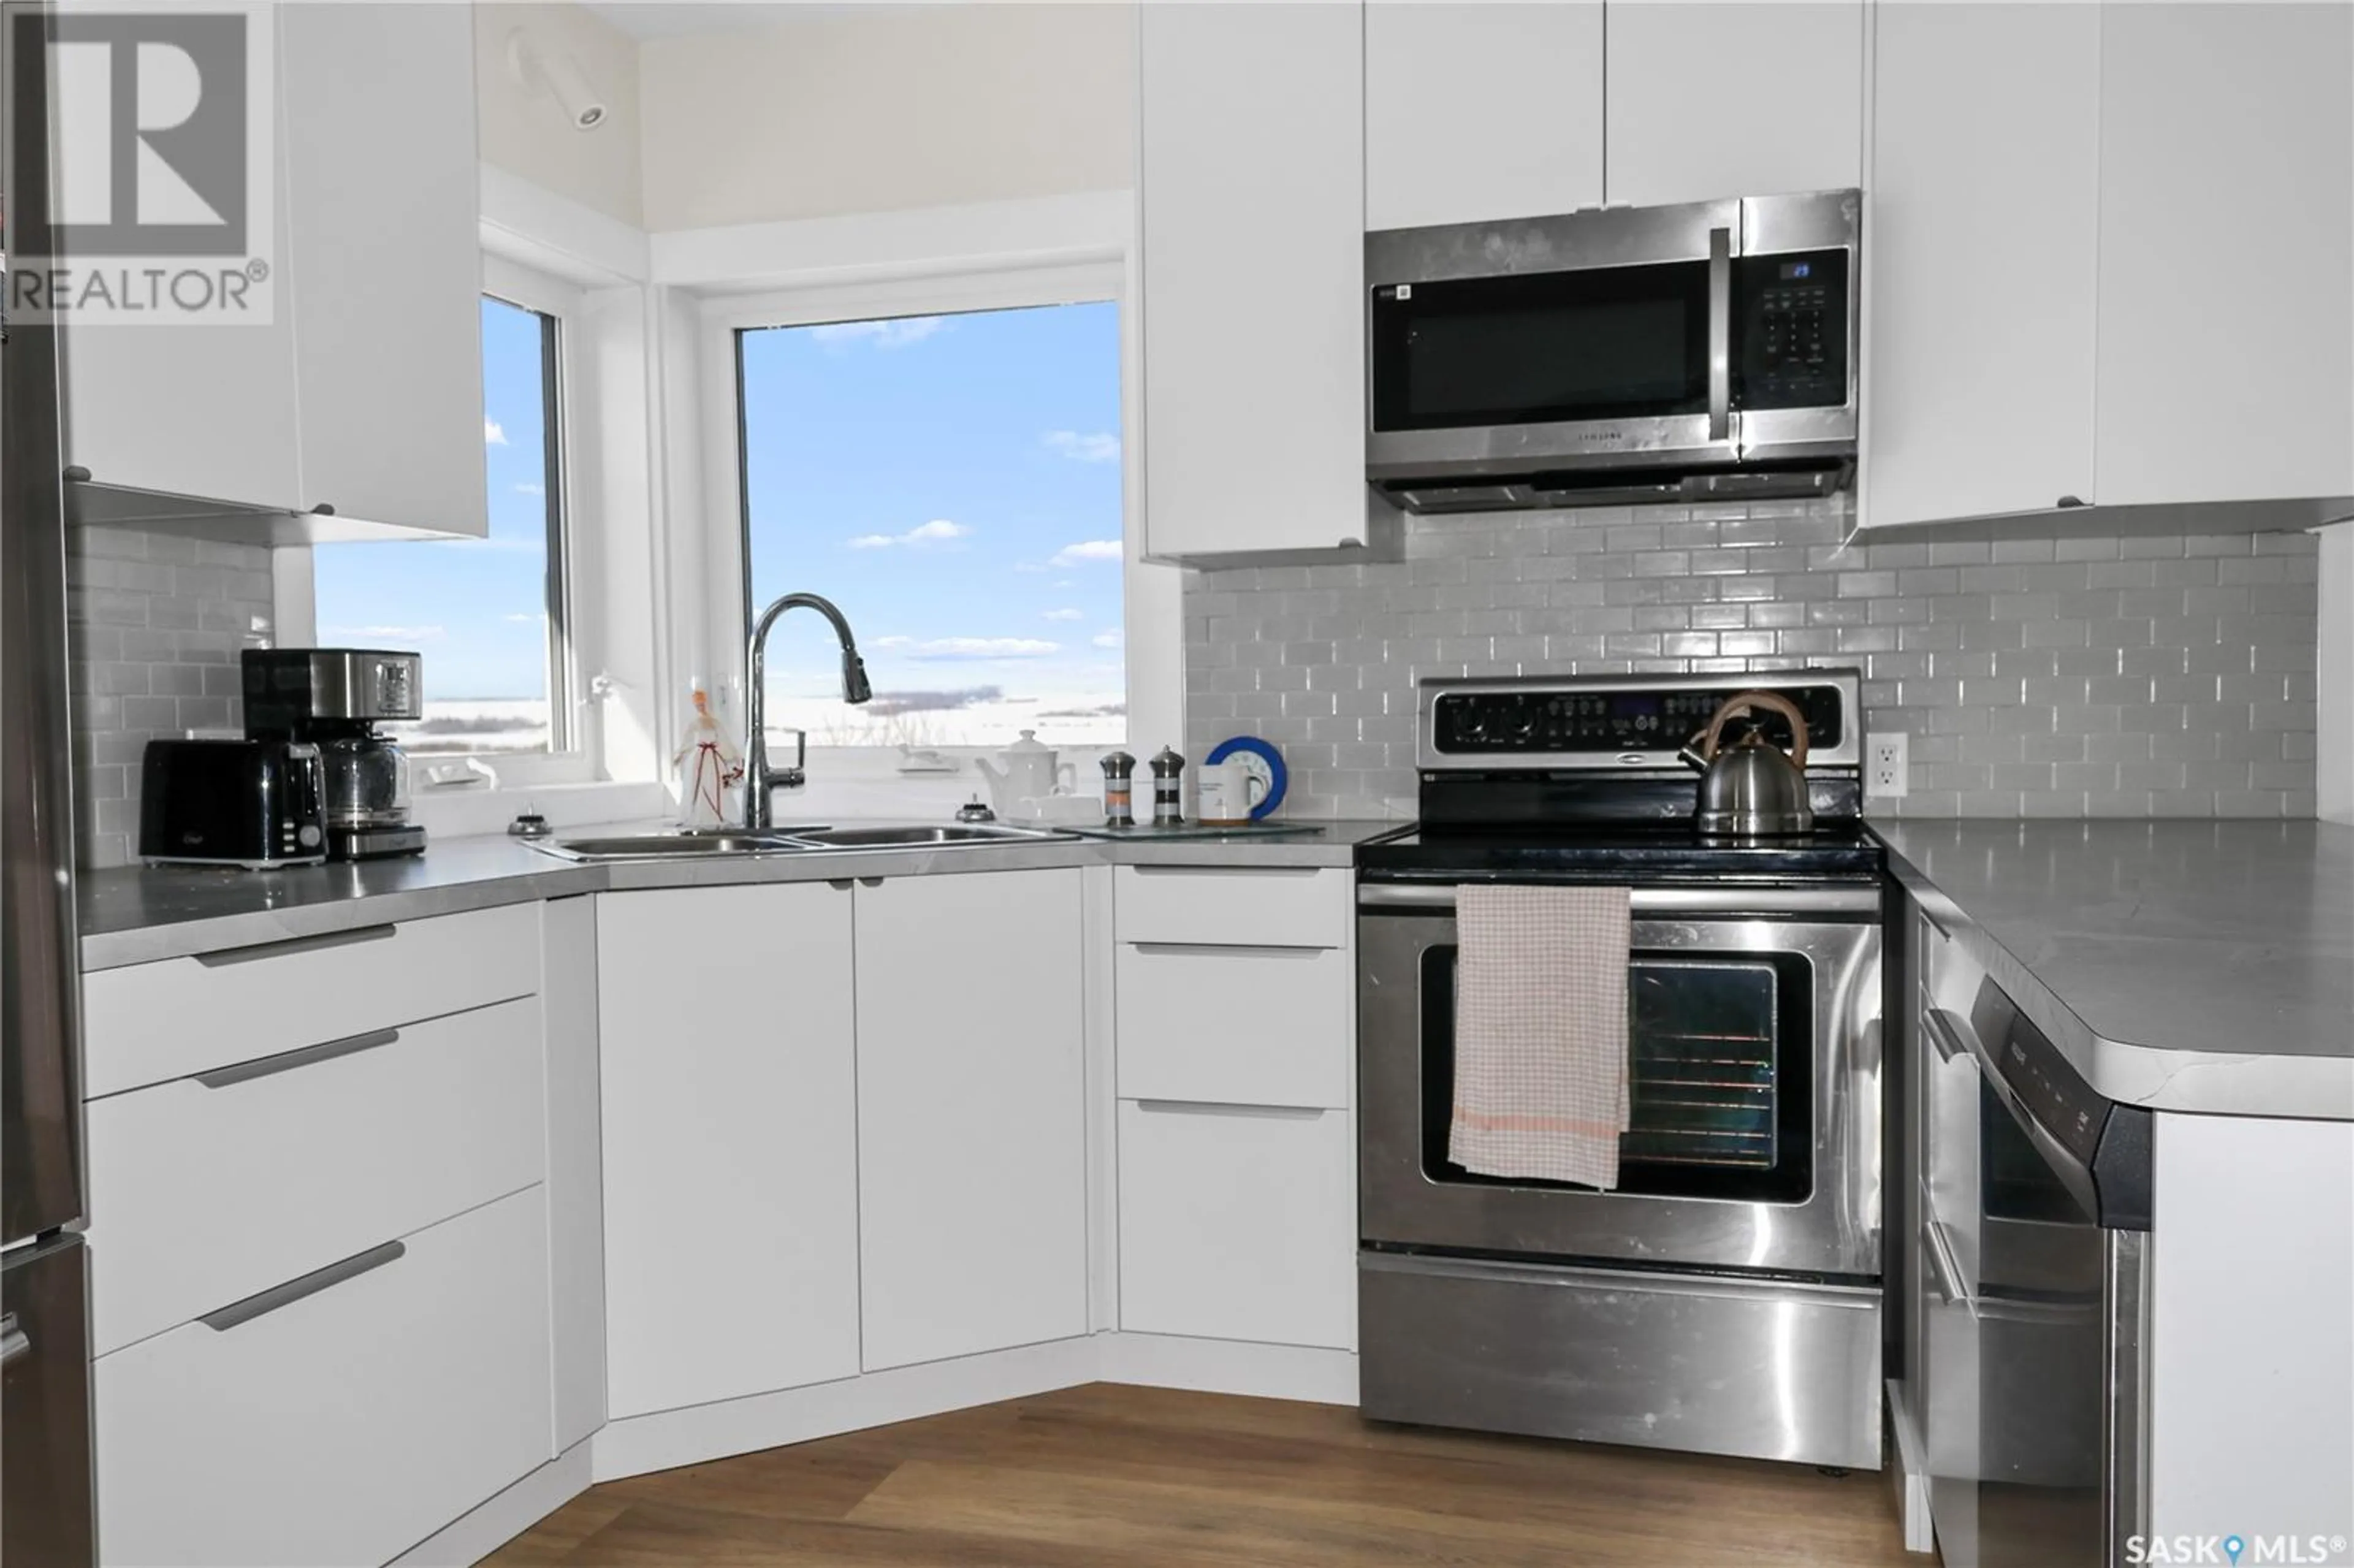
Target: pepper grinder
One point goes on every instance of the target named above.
(1119, 800)
(1168, 803)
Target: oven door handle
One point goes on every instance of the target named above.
(1773, 901)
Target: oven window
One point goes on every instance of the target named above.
(1702, 1040)
(1611, 344)
(1721, 1063)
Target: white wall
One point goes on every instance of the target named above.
(528, 135)
(884, 108)
(2337, 669)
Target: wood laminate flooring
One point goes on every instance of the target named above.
(1157, 1478)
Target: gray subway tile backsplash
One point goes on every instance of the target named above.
(2139, 677)
(154, 623)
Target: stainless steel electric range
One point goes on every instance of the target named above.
(1726, 1296)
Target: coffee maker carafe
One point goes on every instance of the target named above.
(335, 698)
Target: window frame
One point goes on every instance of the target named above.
(570, 758)
(951, 291)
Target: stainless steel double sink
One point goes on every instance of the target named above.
(786, 841)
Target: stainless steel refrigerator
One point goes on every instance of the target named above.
(45, 1513)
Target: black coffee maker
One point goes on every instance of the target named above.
(334, 698)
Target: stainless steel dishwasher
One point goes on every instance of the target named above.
(2035, 1266)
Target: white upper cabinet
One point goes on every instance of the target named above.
(971, 1121)
(1982, 244)
(728, 1081)
(384, 214)
(1477, 111)
(1252, 188)
(1732, 100)
(2108, 253)
(2226, 360)
(364, 394)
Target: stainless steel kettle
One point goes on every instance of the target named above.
(1751, 788)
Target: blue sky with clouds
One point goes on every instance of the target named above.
(952, 482)
(475, 609)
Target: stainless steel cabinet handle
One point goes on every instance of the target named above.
(14, 1341)
(287, 1061)
(264, 1303)
(1945, 1277)
(1219, 1108)
(260, 950)
(1227, 950)
(1945, 1034)
(1720, 334)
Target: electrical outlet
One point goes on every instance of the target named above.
(1885, 764)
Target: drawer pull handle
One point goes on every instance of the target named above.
(287, 1061)
(14, 1341)
(1220, 1108)
(267, 1301)
(1294, 870)
(261, 951)
(1224, 950)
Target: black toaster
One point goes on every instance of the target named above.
(254, 803)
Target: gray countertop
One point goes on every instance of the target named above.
(141, 915)
(2189, 966)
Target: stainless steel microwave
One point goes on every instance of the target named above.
(1706, 350)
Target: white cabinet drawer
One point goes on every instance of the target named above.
(1286, 907)
(1265, 1026)
(205, 1189)
(152, 1021)
(340, 1426)
(1237, 1223)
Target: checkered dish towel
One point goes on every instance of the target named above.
(1541, 1033)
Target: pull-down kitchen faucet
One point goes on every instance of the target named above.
(760, 779)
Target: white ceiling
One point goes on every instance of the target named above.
(679, 19)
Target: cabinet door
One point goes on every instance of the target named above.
(727, 1077)
(341, 1418)
(1253, 191)
(1481, 110)
(1983, 245)
(972, 1115)
(2227, 237)
(203, 410)
(1238, 1223)
(386, 258)
(1733, 99)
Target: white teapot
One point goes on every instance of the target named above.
(1029, 775)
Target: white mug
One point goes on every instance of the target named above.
(1228, 791)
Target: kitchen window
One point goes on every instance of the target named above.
(488, 616)
(954, 481)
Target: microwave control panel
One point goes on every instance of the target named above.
(1792, 315)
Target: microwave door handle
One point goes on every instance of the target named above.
(1720, 335)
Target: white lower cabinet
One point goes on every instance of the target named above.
(972, 1114)
(340, 1418)
(1238, 1223)
(390, 1131)
(728, 1091)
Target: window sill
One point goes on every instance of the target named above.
(465, 813)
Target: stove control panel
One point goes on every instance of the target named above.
(1588, 722)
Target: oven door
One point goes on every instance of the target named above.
(1755, 1062)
